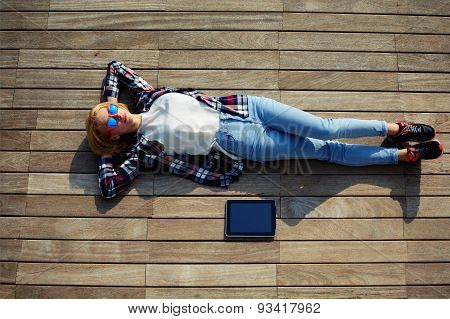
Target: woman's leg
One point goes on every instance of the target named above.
(282, 117)
(258, 143)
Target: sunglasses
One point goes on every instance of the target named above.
(112, 122)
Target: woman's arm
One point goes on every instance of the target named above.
(118, 72)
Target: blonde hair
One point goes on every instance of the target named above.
(100, 143)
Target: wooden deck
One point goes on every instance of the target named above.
(372, 232)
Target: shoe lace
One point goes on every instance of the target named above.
(411, 128)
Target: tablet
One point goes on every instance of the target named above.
(250, 218)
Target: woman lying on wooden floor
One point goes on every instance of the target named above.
(167, 125)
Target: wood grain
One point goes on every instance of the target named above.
(428, 229)
(339, 229)
(87, 59)
(424, 62)
(79, 228)
(24, 5)
(7, 291)
(339, 80)
(214, 252)
(215, 293)
(340, 274)
(13, 183)
(427, 292)
(15, 140)
(58, 141)
(384, 292)
(439, 82)
(314, 60)
(14, 161)
(249, 275)
(81, 274)
(24, 20)
(6, 98)
(8, 272)
(335, 41)
(12, 204)
(9, 58)
(427, 273)
(342, 207)
(73, 292)
(164, 21)
(342, 251)
(428, 251)
(422, 43)
(98, 40)
(363, 23)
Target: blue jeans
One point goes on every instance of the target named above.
(276, 131)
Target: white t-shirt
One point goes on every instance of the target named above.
(182, 124)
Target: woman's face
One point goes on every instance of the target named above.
(122, 117)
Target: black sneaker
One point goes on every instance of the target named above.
(428, 150)
(410, 132)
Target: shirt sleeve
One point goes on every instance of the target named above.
(113, 181)
(118, 72)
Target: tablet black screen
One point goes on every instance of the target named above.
(250, 218)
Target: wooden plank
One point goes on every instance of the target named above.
(102, 5)
(98, 40)
(264, 185)
(9, 58)
(339, 229)
(84, 251)
(53, 78)
(236, 40)
(214, 252)
(63, 119)
(12, 204)
(428, 251)
(341, 185)
(197, 207)
(366, 101)
(71, 292)
(87, 206)
(81, 274)
(168, 5)
(80, 228)
(328, 80)
(316, 60)
(340, 274)
(15, 140)
(10, 228)
(424, 82)
(10, 249)
(12, 119)
(427, 273)
(87, 59)
(58, 141)
(14, 161)
(342, 251)
(437, 166)
(428, 292)
(423, 206)
(424, 62)
(79, 184)
(57, 162)
(8, 78)
(436, 7)
(6, 98)
(428, 229)
(249, 275)
(363, 23)
(8, 272)
(24, 20)
(185, 229)
(13, 183)
(328, 41)
(427, 185)
(342, 207)
(345, 6)
(164, 20)
(7, 291)
(218, 59)
(220, 79)
(382, 292)
(24, 5)
(215, 293)
(422, 43)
